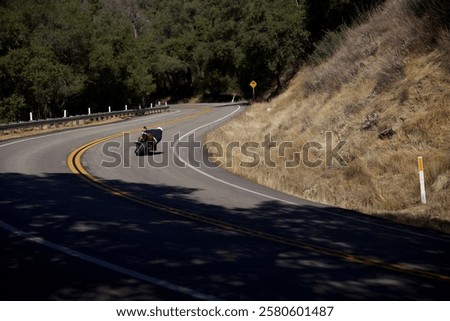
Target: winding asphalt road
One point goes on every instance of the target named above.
(83, 218)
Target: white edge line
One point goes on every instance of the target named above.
(280, 199)
(107, 265)
(91, 259)
(218, 179)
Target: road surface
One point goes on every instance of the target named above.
(83, 218)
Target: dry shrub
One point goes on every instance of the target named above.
(388, 69)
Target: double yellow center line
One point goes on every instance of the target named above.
(74, 159)
(74, 162)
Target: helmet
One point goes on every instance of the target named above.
(160, 128)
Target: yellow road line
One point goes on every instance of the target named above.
(76, 166)
(74, 158)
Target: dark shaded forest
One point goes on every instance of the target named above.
(73, 54)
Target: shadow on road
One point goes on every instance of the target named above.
(216, 261)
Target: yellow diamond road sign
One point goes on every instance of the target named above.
(253, 84)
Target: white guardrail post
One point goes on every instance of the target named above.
(6, 128)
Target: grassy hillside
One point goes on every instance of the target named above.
(385, 91)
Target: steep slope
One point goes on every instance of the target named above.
(380, 101)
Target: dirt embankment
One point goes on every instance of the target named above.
(384, 94)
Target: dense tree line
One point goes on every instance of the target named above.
(73, 54)
(328, 15)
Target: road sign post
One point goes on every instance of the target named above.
(253, 84)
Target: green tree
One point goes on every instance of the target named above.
(75, 54)
(13, 108)
(119, 67)
(329, 15)
(217, 56)
(50, 84)
(274, 40)
(13, 33)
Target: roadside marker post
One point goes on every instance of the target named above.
(423, 197)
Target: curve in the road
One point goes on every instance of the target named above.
(283, 243)
(76, 166)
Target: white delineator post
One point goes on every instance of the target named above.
(126, 107)
(65, 113)
(89, 110)
(423, 197)
(31, 116)
(109, 109)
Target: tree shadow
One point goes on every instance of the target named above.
(272, 251)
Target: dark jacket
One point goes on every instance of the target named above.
(156, 133)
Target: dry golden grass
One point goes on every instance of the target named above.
(391, 73)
